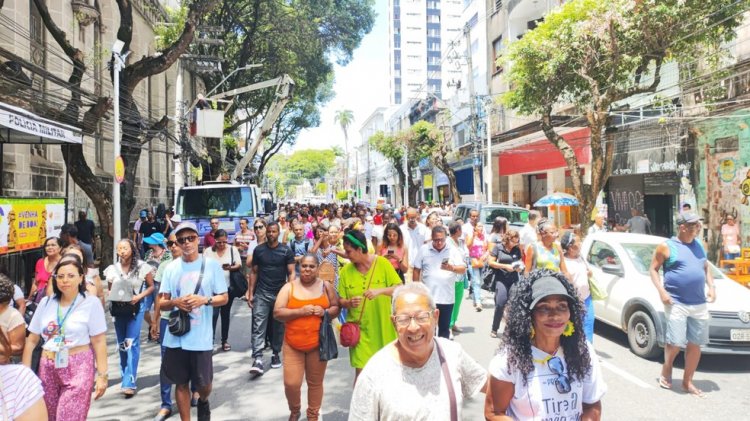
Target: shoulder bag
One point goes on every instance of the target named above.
(350, 330)
(327, 346)
(125, 309)
(179, 320)
(448, 382)
(237, 280)
(596, 291)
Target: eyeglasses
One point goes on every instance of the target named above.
(70, 276)
(562, 383)
(171, 243)
(308, 266)
(404, 320)
(258, 227)
(221, 242)
(187, 239)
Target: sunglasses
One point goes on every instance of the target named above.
(258, 227)
(562, 383)
(186, 239)
(171, 243)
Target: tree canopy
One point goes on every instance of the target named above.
(594, 53)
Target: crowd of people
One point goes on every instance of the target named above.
(393, 279)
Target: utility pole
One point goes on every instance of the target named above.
(473, 117)
(118, 62)
(488, 131)
(406, 175)
(179, 175)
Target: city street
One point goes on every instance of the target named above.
(633, 392)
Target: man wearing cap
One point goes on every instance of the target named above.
(188, 358)
(156, 256)
(686, 274)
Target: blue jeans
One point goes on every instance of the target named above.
(588, 321)
(164, 384)
(476, 285)
(128, 333)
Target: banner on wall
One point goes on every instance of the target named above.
(26, 223)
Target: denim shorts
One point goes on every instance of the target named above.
(687, 323)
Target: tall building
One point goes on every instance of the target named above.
(421, 35)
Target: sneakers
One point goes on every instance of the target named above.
(275, 361)
(257, 369)
(478, 307)
(204, 410)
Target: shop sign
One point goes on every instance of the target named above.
(36, 126)
(727, 170)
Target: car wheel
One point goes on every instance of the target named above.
(642, 335)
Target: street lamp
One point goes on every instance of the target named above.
(118, 62)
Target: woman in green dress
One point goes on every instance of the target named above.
(365, 286)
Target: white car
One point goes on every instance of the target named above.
(620, 263)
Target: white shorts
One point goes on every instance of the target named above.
(687, 323)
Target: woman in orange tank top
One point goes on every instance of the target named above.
(300, 305)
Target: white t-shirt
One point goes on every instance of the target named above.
(442, 283)
(527, 236)
(85, 320)
(579, 274)
(21, 389)
(17, 295)
(226, 258)
(539, 398)
(386, 390)
(126, 285)
(414, 238)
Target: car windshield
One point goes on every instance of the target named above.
(514, 216)
(209, 202)
(642, 254)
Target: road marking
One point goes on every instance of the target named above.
(625, 375)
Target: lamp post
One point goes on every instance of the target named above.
(118, 63)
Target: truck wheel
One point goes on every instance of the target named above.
(642, 335)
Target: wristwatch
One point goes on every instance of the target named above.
(210, 300)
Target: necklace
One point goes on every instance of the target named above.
(546, 359)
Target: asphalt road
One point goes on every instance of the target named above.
(633, 391)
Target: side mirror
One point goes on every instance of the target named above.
(613, 270)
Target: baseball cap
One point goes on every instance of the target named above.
(156, 239)
(546, 286)
(143, 214)
(185, 226)
(687, 218)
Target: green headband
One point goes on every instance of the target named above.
(356, 242)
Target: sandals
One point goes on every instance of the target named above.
(493, 334)
(695, 392)
(226, 347)
(128, 393)
(665, 383)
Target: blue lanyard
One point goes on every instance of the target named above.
(60, 323)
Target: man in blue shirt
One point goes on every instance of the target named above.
(188, 358)
(683, 292)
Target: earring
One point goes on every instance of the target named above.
(533, 332)
(569, 329)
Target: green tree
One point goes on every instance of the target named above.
(431, 143)
(310, 164)
(596, 53)
(393, 147)
(345, 118)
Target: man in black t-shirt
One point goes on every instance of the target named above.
(85, 228)
(273, 266)
(148, 227)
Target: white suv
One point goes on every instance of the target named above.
(620, 263)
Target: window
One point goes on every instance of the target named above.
(497, 48)
(602, 254)
(433, 19)
(498, 6)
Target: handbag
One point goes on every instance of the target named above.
(597, 293)
(327, 347)
(237, 281)
(350, 330)
(125, 308)
(488, 280)
(179, 320)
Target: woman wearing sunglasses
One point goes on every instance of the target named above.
(544, 369)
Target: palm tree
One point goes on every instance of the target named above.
(345, 119)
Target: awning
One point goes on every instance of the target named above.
(21, 126)
(537, 154)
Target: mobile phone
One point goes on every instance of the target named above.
(445, 261)
(390, 251)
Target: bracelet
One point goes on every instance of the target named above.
(102, 375)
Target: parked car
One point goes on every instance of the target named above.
(517, 216)
(620, 264)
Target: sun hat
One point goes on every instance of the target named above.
(546, 286)
(155, 239)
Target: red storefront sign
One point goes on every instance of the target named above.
(541, 155)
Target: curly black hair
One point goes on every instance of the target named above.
(516, 340)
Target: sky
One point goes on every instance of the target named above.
(361, 86)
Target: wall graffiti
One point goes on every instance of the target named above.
(745, 188)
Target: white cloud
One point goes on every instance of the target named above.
(361, 86)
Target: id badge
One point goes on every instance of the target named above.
(61, 358)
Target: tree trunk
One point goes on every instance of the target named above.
(443, 165)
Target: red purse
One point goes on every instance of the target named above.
(350, 331)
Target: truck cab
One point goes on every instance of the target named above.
(228, 201)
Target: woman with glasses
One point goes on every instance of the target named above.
(130, 281)
(545, 253)
(93, 281)
(365, 286)
(229, 258)
(579, 273)
(505, 261)
(544, 369)
(301, 305)
(259, 228)
(44, 267)
(74, 355)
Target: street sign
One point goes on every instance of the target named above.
(119, 170)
